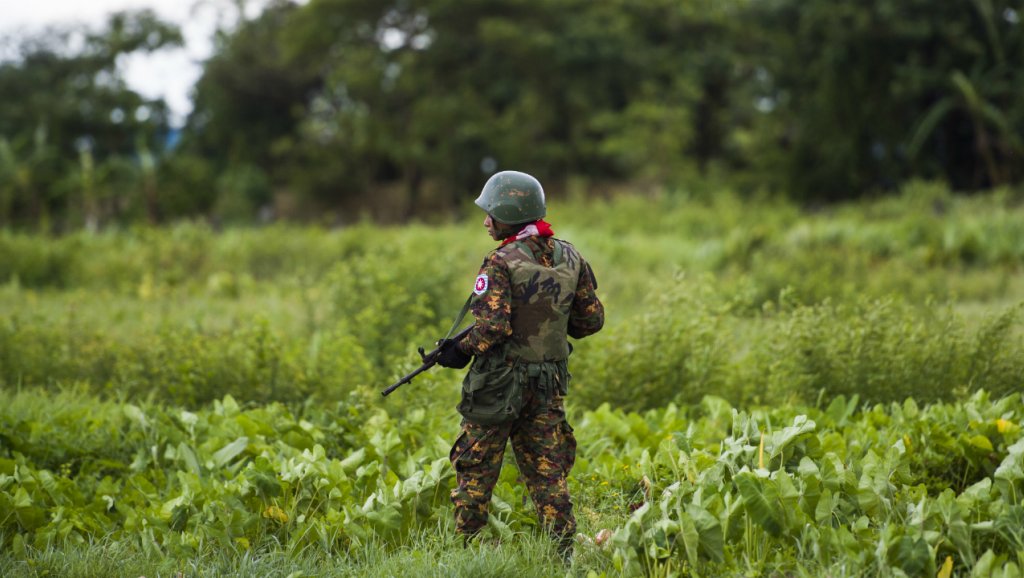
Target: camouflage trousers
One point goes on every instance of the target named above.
(545, 450)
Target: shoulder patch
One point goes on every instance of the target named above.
(480, 287)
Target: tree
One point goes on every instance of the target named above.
(860, 89)
(427, 96)
(69, 112)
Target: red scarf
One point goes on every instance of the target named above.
(539, 228)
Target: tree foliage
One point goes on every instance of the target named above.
(69, 124)
(398, 108)
(868, 94)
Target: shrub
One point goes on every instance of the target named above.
(677, 352)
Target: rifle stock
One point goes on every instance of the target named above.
(429, 360)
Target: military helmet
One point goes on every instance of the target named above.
(512, 198)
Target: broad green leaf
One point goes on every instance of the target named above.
(1010, 468)
(1011, 570)
(981, 442)
(500, 527)
(262, 476)
(690, 536)
(710, 530)
(31, 517)
(868, 498)
(760, 499)
(789, 496)
(910, 408)
(22, 499)
(912, 556)
(833, 473)
(230, 451)
(188, 418)
(227, 407)
(1010, 472)
(384, 442)
(959, 533)
(186, 455)
(387, 518)
(810, 477)
(716, 408)
(983, 568)
(840, 410)
(135, 414)
(824, 509)
(781, 440)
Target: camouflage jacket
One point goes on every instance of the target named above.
(498, 302)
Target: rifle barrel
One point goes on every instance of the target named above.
(408, 378)
(429, 360)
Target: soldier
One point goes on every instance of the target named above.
(532, 292)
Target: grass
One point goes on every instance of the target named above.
(435, 552)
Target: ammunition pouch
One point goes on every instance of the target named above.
(493, 389)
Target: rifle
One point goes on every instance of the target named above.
(429, 360)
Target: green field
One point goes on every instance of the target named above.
(777, 391)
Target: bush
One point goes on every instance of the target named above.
(885, 350)
(677, 353)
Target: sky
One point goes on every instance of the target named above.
(170, 73)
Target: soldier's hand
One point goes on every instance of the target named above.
(451, 356)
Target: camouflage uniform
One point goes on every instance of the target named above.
(524, 316)
(493, 309)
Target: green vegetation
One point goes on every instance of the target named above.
(813, 358)
(910, 297)
(349, 490)
(777, 392)
(333, 110)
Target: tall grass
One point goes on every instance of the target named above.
(752, 299)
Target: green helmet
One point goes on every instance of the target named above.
(512, 198)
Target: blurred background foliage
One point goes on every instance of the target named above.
(338, 110)
(917, 295)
